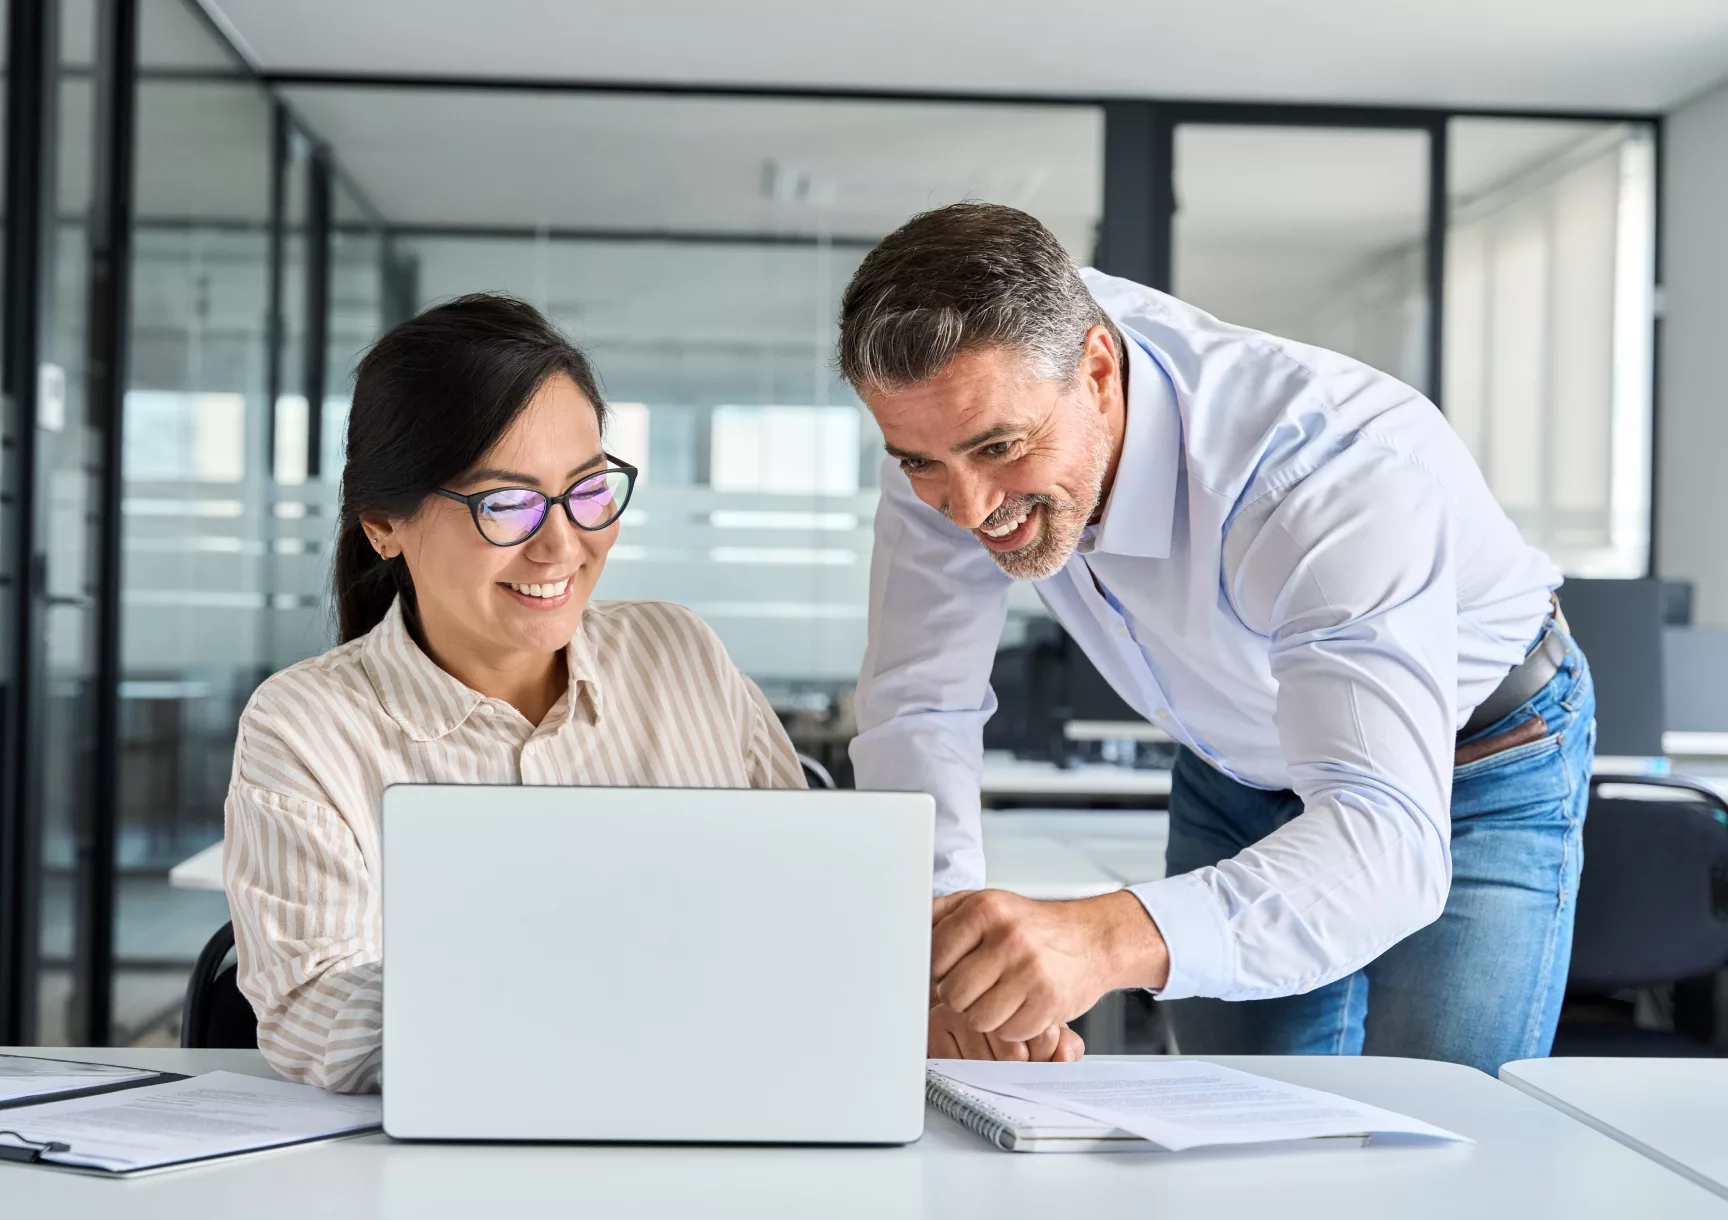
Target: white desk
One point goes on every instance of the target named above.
(1054, 861)
(1530, 1162)
(1007, 776)
(200, 872)
(1073, 853)
(1674, 1111)
(1038, 853)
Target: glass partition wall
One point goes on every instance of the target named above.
(1316, 234)
(68, 448)
(1550, 295)
(226, 514)
(697, 247)
(1546, 245)
(196, 428)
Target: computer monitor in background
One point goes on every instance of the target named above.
(1043, 684)
(1048, 681)
(1618, 624)
(1696, 678)
(1677, 598)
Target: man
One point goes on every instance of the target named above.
(1289, 562)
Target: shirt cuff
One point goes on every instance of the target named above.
(1201, 956)
(958, 868)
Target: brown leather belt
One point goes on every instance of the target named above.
(1517, 688)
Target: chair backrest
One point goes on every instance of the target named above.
(815, 774)
(1653, 899)
(215, 1014)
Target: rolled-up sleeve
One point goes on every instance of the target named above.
(308, 931)
(937, 606)
(1351, 574)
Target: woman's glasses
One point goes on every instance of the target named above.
(509, 516)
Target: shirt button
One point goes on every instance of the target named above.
(1162, 713)
(1122, 630)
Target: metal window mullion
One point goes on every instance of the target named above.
(1439, 190)
(110, 230)
(31, 112)
(1652, 512)
(316, 343)
(275, 279)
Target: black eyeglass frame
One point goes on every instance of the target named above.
(619, 466)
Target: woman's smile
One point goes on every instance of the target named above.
(540, 595)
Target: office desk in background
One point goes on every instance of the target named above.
(1053, 850)
(200, 872)
(1041, 853)
(1674, 1111)
(1529, 1162)
(1073, 853)
(1007, 779)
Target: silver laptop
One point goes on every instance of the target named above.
(655, 964)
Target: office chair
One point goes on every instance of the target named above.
(215, 1014)
(1652, 909)
(815, 774)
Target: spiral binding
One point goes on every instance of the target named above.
(975, 1116)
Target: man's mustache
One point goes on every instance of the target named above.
(1011, 509)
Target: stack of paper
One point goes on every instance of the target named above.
(23, 1076)
(1173, 1105)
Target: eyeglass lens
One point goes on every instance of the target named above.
(512, 514)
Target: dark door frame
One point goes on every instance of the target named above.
(32, 86)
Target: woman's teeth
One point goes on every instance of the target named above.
(556, 590)
(1002, 531)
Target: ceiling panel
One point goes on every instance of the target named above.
(472, 158)
(1516, 53)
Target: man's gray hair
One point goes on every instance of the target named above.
(960, 278)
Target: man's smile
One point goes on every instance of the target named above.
(1014, 534)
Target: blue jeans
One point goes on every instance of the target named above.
(1482, 984)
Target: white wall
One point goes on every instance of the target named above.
(1692, 422)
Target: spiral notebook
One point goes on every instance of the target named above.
(1017, 1125)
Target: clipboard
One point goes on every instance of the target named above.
(205, 1117)
(112, 1086)
(29, 1152)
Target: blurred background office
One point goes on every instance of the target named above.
(213, 206)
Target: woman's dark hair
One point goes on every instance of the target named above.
(430, 398)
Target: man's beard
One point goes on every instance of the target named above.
(1060, 523)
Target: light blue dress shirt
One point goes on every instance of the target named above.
(1300, 574)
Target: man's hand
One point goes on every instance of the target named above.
(952, 1038)
(1013, 968)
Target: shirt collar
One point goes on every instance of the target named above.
(1141, 510)
(429, 703)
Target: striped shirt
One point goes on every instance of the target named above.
(653, 701)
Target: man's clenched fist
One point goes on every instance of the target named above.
(1014, 968)
(952, 1038)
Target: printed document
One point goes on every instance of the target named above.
(216, 1114)
(1185, 1103)
(24, 1076)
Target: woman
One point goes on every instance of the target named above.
(477, 511)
